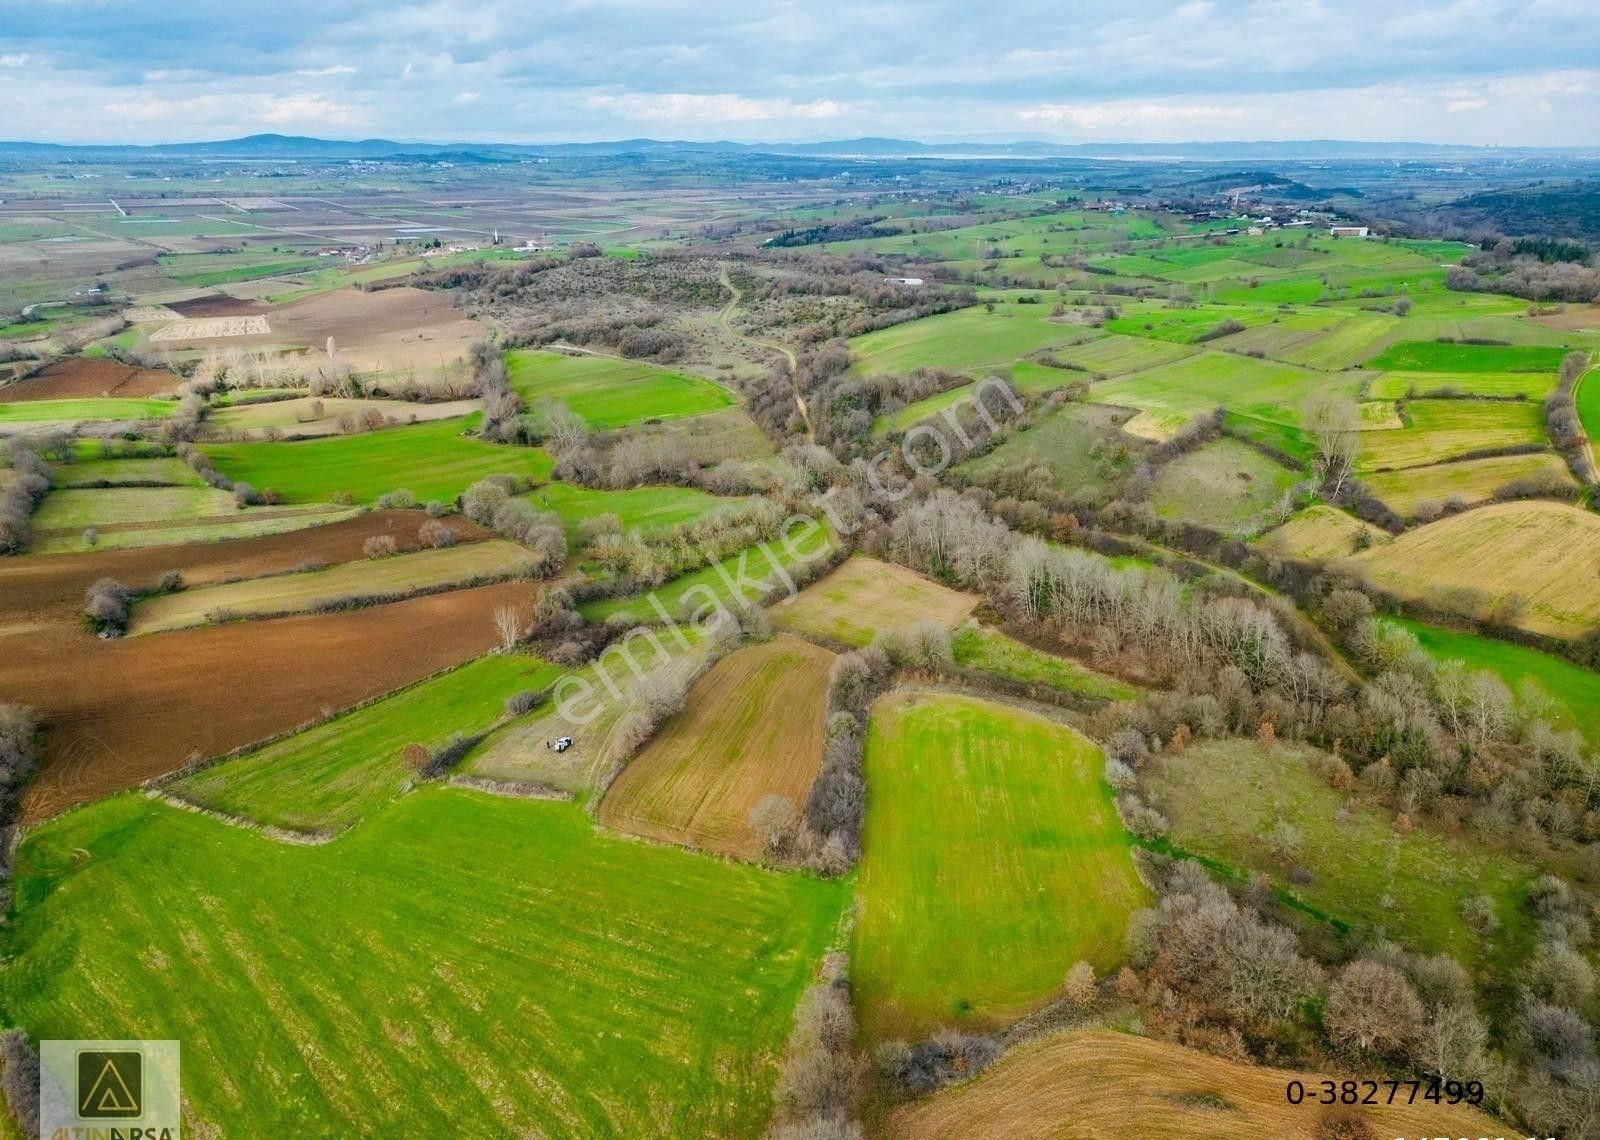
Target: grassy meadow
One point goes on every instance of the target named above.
(1224, 484)
(609, 392)
(338, 773)
(990, 838)
(638, 508)
(94, 408)
(461, 964)
(990, 651)
(865, 597)
(432, 461)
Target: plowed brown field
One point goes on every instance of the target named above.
(118, 712)
(752, 727)
(82, 377)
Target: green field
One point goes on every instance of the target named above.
(990, 651)
(1224, 484)
(432, 461)
(964, 341)
(1260, 389)
(334, 775)
(993, 859)
(1118, 355)
(643, 508)
(1224, 797)
(1437, 430)
(1403, 385)
(1587, 398)
(95, 408)
(1575, 690)
(1446, 356)
(611, 393)
(86, 472)
(459, 965)
(112, 506)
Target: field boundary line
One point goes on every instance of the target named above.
(269, 830)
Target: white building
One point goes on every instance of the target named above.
(904, 280)
(1348, 231)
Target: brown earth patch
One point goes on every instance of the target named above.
(1573, 318)
(51, 586)
(385, 330)
(217, 305)
(116, 713)
(752, 727)
(84, 377)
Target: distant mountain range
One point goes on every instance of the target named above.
(271, 146)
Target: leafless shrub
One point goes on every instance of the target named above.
(107, 605)
(435, 534)
(776, 825)
(380, 546)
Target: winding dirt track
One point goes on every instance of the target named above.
(725, 318)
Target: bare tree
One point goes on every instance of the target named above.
(508, 625)
(776, 823)
(1373, 1009)
(1078, 988)
(1335, 424)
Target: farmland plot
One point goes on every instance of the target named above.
(752, 728)
(1536, 557)
(864, 597)
(460, 965)
(992, 860)
(334, 775)
(397, 575)
(609, 392)
(1091, 1082)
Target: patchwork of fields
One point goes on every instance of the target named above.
(590, 936)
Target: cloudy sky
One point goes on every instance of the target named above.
(1467, 71)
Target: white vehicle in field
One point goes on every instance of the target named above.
(560, 744)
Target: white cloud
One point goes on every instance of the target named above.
(1106, 116)
(317, 110)
(466, 98)
(336, 69)
(679, 107)
(16, 59)
(1461, 106)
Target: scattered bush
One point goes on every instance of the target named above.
(435, 534)
(380, 546)
(107, 605)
